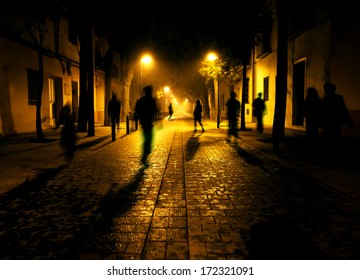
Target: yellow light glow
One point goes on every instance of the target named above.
(146, 59)
(212, 56)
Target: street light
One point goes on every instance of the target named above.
(214, 57)
(144, 59)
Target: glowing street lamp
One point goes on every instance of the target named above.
(145, 59)
(214, 57)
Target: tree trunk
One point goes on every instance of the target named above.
(82, 118)
(86, 103)
(91, 75)
(278, 132)
(109, 55)
(213, 106)
(128, 100)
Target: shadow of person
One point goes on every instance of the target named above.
(118, 201)
(192, 146)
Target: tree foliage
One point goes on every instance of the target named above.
(221, 68)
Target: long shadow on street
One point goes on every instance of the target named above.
(118, 201)
(41, 220)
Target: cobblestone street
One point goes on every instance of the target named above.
(200, 198)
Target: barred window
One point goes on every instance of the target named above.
(33, 77)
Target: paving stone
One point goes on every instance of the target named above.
(201, 198)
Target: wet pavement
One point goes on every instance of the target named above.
(202, 197)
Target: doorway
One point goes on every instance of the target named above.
(52, 102)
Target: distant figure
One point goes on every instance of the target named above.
(233, 113)
(68, 137)
(334, 114)
(258, 110)
(312, 109)
(198, 115)
(146, 109)
(114, 107)
(171, 111)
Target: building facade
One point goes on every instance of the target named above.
(322, 44)
(322, 47)
(19, 70)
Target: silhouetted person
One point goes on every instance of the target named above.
(334, 114)
(233, 113)
(171, 111)
(258, 110)
(312, 110)
(68, 137)
(146, 109)
(198, 115)
(114, 107)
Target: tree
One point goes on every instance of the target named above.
(281, 79)
(36, 21)
(255, 20)
(178, 38)
(239, 43)
(87, 70)
(36, 27)
(223, 68)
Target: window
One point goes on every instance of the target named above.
(263, 47)
(266, 88)
(33, 77)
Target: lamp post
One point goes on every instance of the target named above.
(144, 59)
(218, 93)
(141, 63)
(214, 57)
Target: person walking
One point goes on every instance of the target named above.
(68, 136)
(233, 113)
(198, 115)
(171, 111)
(334, 114)
(258, 110)
(146, 110)
(114, 107)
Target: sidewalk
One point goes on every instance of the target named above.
(22, 159)
(337, 169)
